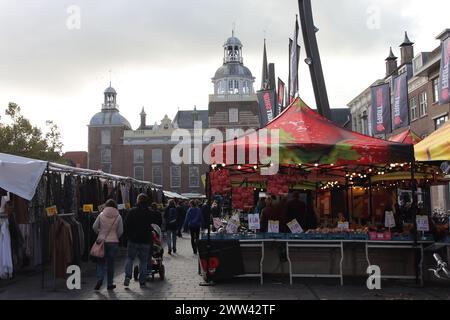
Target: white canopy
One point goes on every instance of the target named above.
(20, 175)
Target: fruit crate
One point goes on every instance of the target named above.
(397, 237)
(358, 236)
(317, 236)
(297, 236)
(338, 236)
(275, 236)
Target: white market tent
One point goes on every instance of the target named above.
(21, 175)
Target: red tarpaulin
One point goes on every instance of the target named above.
(305, 137)
(408, 137)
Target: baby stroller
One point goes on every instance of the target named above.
(155, 263)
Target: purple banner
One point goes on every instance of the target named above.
(400, 109)
(381, 109)
(266, 101)
(444, 79)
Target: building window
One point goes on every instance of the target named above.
(423, 104)
(138, 156)
(233, 115)
(230, 86)
(106, 167)
(139, 173)
(413, 106)
(175, 177)
(439, 122)
(157, 156)
(196, 155)
(194, 177)
(105, 156)
(106, 137)
(436, 90)
(157, 175)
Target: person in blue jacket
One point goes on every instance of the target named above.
(194, 221)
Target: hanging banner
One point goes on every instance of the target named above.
(280, 100)
(444, 78)
(266, 100)
(381, 109)
(400, 108)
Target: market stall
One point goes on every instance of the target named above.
(436, 149)
(48, 210)
(348, 184)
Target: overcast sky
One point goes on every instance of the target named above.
(163, 53)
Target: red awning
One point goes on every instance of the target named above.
(408, 137)
(305, 137)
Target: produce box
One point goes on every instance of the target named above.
(297, 236)
(399, 237)
(380, 236)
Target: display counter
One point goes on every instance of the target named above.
(324, 258)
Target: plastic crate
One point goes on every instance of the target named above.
(274, 236)
(297, 236)
(338, 236)
(317, 236)
(380, 236)
(358, 236)
(402, 238)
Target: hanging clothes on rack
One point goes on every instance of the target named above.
(6, 263)
(61, 246)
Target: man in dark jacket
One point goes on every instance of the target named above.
(138, 227)
(181, 215)
(296, 209)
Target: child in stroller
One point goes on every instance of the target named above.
(155, 263)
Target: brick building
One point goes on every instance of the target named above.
(425, 113)
(146, 153)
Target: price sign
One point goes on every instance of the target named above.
(88, 208)
(422, 223)
(343, 226)
(274, 226)
(217, 223)
(389, 220)
(121, 206)
(232, 226)
(295, 227)
(253, 222)
(51, 211)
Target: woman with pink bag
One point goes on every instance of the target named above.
(109, 227)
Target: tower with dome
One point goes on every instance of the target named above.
(233, 105)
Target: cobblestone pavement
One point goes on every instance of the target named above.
(182, 283)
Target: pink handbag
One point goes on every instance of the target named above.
(98, 248)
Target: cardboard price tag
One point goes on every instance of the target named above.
(343, 226)
(253, 222)
(51, 211)
(295, 227)
(389, 220)
(217, 223)
(422, 223)
(88, 208)
(232, 226)
(274, 226)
